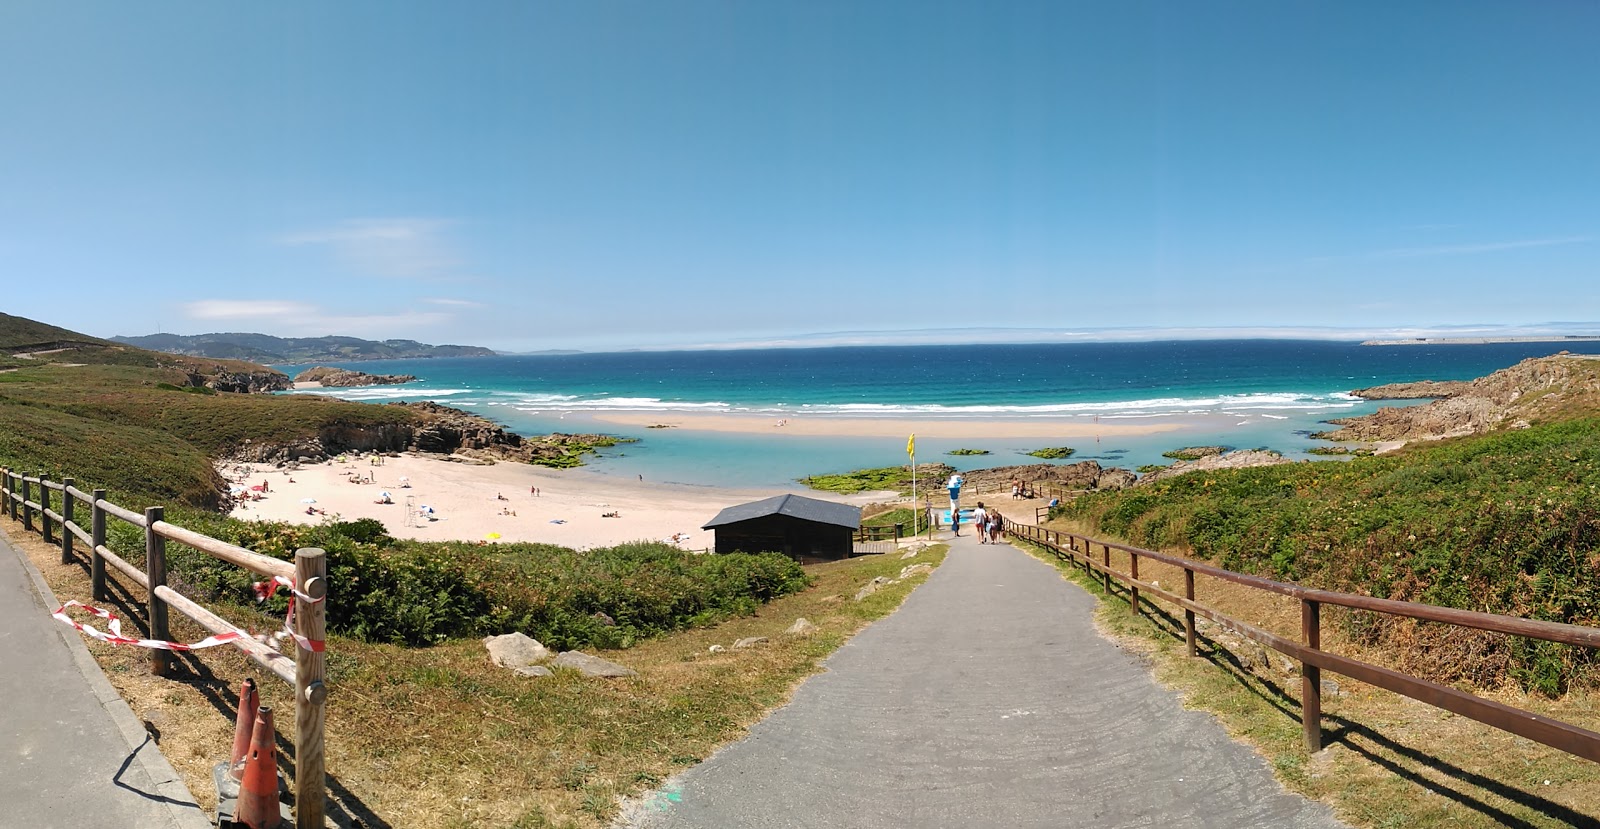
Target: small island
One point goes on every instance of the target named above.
(327, 376)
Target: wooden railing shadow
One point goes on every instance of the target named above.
(1078, 551)
(28, 499)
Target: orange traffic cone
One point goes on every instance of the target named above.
(258, 788)
(249, 701)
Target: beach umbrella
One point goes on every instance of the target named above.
(308, 500)
(492, 536)
(385, 494)
(405, 478)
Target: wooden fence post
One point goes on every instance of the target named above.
(66, 518)
(1105, 551)
(311, 577)
(1311, 676)
(27, 511)
(1188, 615)
(7, 508)
(44, 509)
(97, 536)
(1133, 589)
(155, 565)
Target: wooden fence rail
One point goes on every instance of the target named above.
(1080, 550)
(304, 672)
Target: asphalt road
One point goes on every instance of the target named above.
(76, 755)
(987, 700)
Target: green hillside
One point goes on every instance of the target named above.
(1505, 523)
(141, 423)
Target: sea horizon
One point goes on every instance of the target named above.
(1244, 394)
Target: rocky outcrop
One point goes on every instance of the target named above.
(345, 378)
(1194, 453)
(1532, 390)
(1227, 460)
(438, 430)
(1420, 390)
(1080, 475)
(242, 382)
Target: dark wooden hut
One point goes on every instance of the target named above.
(804, 529)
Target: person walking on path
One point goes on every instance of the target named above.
(980, 522)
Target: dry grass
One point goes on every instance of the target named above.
(439, 738)
(1389, 761)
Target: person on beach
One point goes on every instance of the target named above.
(980, 520)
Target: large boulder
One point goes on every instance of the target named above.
(591, 665)
(515, 650)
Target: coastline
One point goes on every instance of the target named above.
(819, 426)
(471, 500)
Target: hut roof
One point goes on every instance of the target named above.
(794, 506)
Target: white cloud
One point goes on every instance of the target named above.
(1482, 247)
(290, 318)
(454, 303)
(403, 248)
(230, 309)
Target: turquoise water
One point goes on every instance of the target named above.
(1246, 393)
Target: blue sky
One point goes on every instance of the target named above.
(599, 175)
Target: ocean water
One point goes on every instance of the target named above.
(1244, 393)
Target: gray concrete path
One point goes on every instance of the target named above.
(987, 700)
(79, 757)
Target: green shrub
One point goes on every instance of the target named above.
(1053, 452)
(1506, 523)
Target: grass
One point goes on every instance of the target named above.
(437, 738)
(1389, 761)
(890, 478)
(1505, 523)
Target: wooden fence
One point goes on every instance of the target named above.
(303, 672)
(1080, 550)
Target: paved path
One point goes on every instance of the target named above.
(987, 700)
(77, 756)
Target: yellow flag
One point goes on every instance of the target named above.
(911, 446)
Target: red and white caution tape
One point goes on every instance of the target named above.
(264, 591)
(115, 636)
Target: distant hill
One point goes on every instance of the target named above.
(23, 334)
(264, 348)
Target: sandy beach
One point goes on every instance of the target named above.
(470, 501)
(1044, 427)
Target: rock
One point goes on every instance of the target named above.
(1413, 391)
(1115, 478)
(535, 671)
(1227, 460)
(1331, 688)
(715, 649)
(1524, 392)
(911, 553)
(591, 665)
(910, 570)
(345, 378)
(801, 627)
(871, 587)
(515, 650)
(1194, 453)
(749, 642)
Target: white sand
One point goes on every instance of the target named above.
(463, 498)
(1042, 427)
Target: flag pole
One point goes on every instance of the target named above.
(911, 451)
